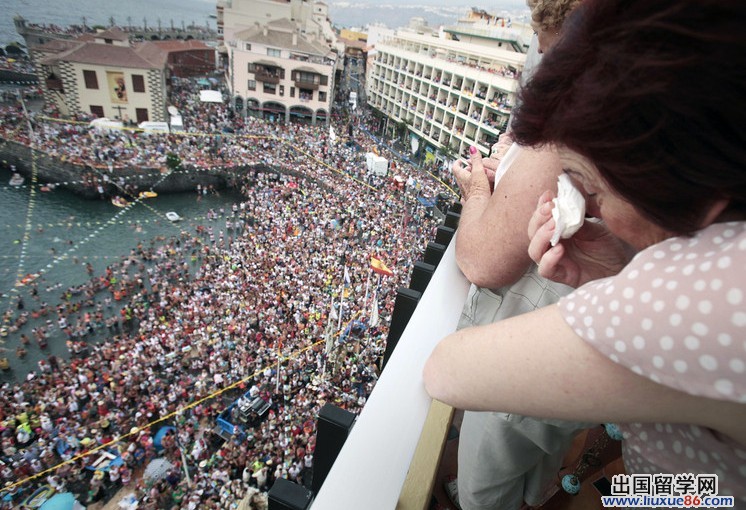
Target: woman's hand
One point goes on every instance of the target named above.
(592, 253)
(475, 178)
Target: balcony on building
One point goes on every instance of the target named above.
(308, 79)
(268, 72)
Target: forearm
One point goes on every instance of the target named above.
(487, 257)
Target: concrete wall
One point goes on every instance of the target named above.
(53, 170)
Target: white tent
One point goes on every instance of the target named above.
(376, 164)
(210, 96)
(104, 124)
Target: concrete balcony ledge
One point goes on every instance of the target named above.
(379, 455)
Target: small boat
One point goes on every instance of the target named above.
(148, 194)
(48, 187)
(39, 497)
(4, 364)
(172, 216)
(16, 180)
(119, 201)
(30, 277)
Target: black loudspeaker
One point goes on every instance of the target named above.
(433, 253)
(452, 219)
(406, 302)
(332, 428)
(287, 495)
(421, 274)
(443, 234)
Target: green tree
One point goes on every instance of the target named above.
(173, 161)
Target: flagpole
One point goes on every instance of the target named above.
(279, 355)
(341, 299)
(367, 287)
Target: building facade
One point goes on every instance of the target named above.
(104, 75)
(233, 16)
(449, 89)
(277, 74)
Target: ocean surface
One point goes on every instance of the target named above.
(343, 13)
(98, 12)
(55, 234)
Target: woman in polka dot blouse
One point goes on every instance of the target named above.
(642, 101)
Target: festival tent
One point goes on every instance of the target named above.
(157, 469)
(210, 96)
(158, 437)
(104, 124)
(62, 501)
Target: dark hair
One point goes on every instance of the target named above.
(652, 92)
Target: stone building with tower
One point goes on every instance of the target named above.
(107, 75)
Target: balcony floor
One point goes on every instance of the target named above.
(588, 498)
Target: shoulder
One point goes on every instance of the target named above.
(675, 314)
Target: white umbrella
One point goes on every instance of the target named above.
(157, 469)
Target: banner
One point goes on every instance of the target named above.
(117, 88)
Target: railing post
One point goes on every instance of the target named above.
(287, 495)
(332, 428)
(406, 302)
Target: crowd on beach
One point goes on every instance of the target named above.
(246, 301)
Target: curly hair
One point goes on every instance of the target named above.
(650, 93)
(550, 14)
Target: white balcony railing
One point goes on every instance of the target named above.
(370, 471)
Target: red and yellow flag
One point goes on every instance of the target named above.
(379, 267)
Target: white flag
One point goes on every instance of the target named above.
(374, 311)
(347, 277)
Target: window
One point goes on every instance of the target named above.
(270, 88)
(109, 41)
(251, 85)
(252, 67)
(272, 52)
(282, 90)
(305, 77)
(325, 80)
(91, 82)
(138, 83)
(98, 111)
(247, 47)
(292, 91)
(322, 96)
(141, 114)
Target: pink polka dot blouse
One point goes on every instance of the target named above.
(677, 315)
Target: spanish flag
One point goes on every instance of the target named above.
(379, 267)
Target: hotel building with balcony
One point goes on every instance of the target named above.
(453, 88)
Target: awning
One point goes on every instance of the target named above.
(210, 96)
(306, 70)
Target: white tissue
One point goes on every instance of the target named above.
(568, 211)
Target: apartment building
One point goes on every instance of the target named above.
(280, 58)
(452, 88)
(277, 74)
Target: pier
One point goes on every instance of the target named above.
(36, 35)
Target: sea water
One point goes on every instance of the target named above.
(54, 234)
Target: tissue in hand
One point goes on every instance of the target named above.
(568, 211)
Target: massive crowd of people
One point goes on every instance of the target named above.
(245, 300)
